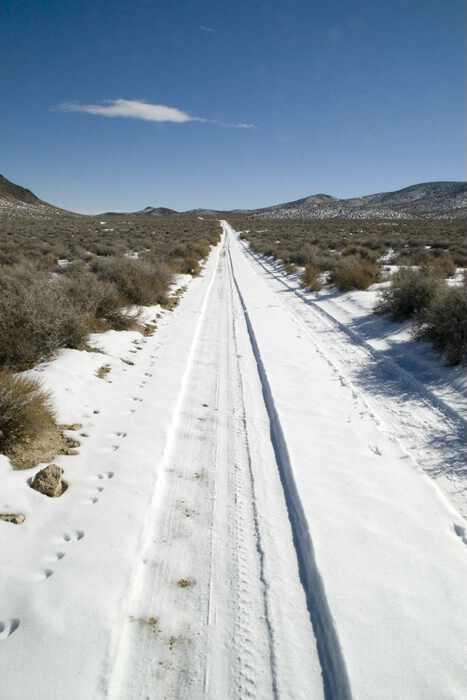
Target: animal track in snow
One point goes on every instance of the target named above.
(73, 536)
(460, 532)
(46, 573)
(121, 435)
(7, 628)
(105, 475)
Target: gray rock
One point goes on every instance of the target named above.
(49, 481)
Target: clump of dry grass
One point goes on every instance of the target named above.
(26, 410)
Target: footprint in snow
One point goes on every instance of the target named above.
(460, 532)
(7, 628)
(105, 475)
(73, 536)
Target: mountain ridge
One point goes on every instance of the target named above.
(428, 200)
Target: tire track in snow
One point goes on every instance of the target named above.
(247, 509)
(137, 669)
(335, 677)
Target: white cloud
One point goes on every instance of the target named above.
(207, 29)
(137, 109)
(133, 109)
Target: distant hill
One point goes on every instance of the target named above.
(15, 193)
(19, 202)
(148, 211)
(429, 200)
(433, 200)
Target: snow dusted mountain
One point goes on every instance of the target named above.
(433, 200)
(429, 200)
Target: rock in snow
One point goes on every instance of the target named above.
(49, 481)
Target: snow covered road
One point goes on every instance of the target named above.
(264, 531)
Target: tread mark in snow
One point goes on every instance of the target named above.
(335, 677)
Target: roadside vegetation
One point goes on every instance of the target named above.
(438, 311)
(62, 279)
(353, 255)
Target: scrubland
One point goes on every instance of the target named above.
(62, 279)
(357, 254)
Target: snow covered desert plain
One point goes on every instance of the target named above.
(268, 502)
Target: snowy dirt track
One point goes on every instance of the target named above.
(247, 518)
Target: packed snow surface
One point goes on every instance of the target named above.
(267, 503)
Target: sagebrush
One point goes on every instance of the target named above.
(26, 410)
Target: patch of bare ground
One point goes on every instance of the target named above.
(174, 300)
(43, 448)
(151, 622)
(103, 371)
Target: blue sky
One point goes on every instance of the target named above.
(110, 105)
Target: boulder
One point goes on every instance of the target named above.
(49, 481)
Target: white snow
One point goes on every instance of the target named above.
(268, 502)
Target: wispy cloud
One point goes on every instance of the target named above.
(208, 29)
(138, 109)
(133, 109)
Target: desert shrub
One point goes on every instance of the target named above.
(188, 265)
(362, 252)
(311, 278)
(139, 281)
(289, 268)
(36, 318)
(443, 265)
(410, 291)
(353, 273)
(98, 300)
(299, 257)
(25, 410)
(459, 254)
(444, 323)
(202, 248)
